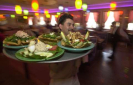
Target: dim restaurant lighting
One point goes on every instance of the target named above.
(46, 11)
(25, 17)
(12, 16)
(48, 15)
(58, 13)
(78, 4)
(7, 15)
(113, 5)
(108, 13)
(26, 12)
(2, 16)
(56, 16)
(61, 8)
(35, 5)
(90, 7)
(18, 9)
(121, 12)
(66, 9)
(88, 11)
(84, 6)
(36, 14)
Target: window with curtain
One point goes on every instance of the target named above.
(130, 24)
(91, 20)
(42, 22)
(110, 17)
(53, 20)
(30, 22)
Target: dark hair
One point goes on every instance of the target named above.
(63, 18)
(114, 23)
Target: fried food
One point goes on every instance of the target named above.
(52, 37)
(20, 38)
(75, 40)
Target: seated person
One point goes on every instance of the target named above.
(100, 28)
(34, 30)
(48, 26)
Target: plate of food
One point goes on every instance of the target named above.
(75, 42)
(39, 51)
(50, 38)
(18, 40)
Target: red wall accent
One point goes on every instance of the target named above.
(131, 16)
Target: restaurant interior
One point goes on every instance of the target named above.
(96, 17)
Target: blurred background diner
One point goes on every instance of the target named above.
(102, 18)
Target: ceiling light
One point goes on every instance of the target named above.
(12, 16)
(66, 9)
(36, 14)
(46, 11)
(78, 4)
(84, 7)
(7, 15)
(2, 16)
(26, 12)
(88, 11)
(56, 16)
(121, 12)
(35, 5)
(25, 17)
(58, 13)
(61, 8)
(113, 5)
(48, 15)
(18, 9)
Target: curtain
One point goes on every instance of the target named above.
(116, 15)
(131, 17)
(95, 16)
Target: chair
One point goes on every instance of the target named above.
(124, 37)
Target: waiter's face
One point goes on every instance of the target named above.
(67, 26)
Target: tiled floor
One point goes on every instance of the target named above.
(101, 71)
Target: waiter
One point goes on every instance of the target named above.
(65, 73)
